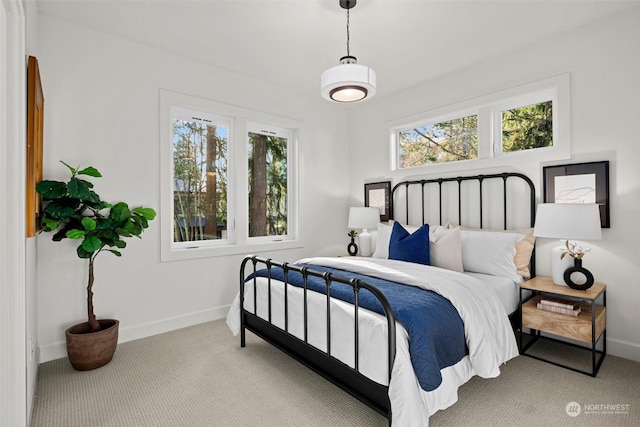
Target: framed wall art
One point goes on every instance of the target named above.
(378, 195)
(35, 123)
(579, 183)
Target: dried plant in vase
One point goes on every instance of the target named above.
(352, 248)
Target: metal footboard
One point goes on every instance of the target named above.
(346, 377)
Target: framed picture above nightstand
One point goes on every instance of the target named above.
(560, 312)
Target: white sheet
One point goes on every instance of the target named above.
(489, 336)
(506, 289)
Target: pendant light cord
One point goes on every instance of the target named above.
(348, 52)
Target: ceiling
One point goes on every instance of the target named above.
(290, 42)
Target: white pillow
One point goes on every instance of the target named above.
(446, 248)
(382, 241)
(491, 253)
(384, 236)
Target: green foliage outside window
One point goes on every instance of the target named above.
(447, 141)
(528, 127)
(267, 185)
(200, 180)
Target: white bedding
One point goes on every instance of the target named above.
(507, 290)
(489, 336)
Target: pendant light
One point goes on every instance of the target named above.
(349, 81)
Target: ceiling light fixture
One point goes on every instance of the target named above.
(349, 81)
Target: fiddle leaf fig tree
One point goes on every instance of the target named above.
(74, 211)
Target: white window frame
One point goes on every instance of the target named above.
(237, 241)
(489, 109)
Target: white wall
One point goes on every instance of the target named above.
(14, 365)
(603, 60)
(102, 109)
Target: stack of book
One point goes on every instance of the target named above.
(559, 306)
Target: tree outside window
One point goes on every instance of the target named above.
(200, 180)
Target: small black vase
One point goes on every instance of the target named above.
(352, 248)
(577, 268)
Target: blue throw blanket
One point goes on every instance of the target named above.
(436, 331)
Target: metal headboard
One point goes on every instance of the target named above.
(427, 184)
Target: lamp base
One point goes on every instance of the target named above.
(365, 243)
(559, 266)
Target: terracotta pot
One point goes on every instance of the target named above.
(90, 350)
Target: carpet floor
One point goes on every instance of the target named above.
(199, 376)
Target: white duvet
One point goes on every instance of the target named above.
(490, 338)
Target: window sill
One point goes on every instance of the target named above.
(228, 249)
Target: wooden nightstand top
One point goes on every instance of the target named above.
(545, 284)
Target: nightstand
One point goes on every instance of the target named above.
(587, 328)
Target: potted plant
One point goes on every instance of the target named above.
(74, 211)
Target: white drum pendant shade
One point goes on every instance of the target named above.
(348, 83)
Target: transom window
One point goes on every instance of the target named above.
(527, 127)
(530, 123)
(447, 141)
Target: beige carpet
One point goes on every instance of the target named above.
(199, 376)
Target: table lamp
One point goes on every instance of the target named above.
(568, 221)
(363, 218)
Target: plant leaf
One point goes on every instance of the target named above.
(73, 170)
(120, 244)
(148, 213)
(120, 213)
(89, 224)
(75, 234)
(83, 253)
(116, 253)
(91, 171)
(63, 208)
(49, 224)
(78, 189)
(91, 243)
(51, 189)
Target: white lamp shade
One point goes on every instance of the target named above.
(363, 217)
(568, 221)
(348, 83)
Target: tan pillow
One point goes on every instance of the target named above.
(524, 248)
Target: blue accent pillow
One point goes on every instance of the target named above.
(410, 247)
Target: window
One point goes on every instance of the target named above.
(268, 180)
(228, 179)
(528, 127)
(525, 124)
(200, 152)
(447, 141)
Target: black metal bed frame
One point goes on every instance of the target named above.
(350, 379)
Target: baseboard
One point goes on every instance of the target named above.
(625, 349)
(59, 350)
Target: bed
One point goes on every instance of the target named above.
(345, 317)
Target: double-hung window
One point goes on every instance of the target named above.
(228, 179)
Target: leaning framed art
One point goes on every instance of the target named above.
(35, 123)
(378, 195)
(579, 183)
